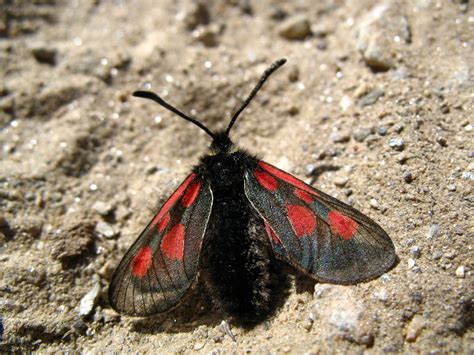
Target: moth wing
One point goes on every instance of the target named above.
(163, 262)
(315, 232)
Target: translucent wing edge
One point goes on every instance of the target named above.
(118, 277)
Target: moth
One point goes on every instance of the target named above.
(228, 222)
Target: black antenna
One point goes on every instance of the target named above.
(154, 97)
(259, 85)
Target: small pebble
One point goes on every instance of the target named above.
(367, 340)
(217, 338)
(309, 169)
(340, 137)
(151, 170)
(44, 54)
(409, 241)
(341, 181)
(198, 346)
(106, 230)
(107, 270)
(397, 143)
(307, 324)
(442, 141)
(374, 204)
(295, 28)
(414, 328)
(382, 131)
(433, 231)
(89, 300)
(437, 255)
(103, 208)
(360, 134)
(380, 34)
(408, 177)
(110, 316)
(415, 251)
(345, 102)
(371, 97)
(402, 158)
(450, 254)
(445, 109)
(467, 175)
(33, 226)
(411, 263)
(398, 128)
(460, 272)
(98, 315)
(381, 295)
(451, 187)
(330, 152)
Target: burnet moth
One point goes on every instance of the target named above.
(229, 220)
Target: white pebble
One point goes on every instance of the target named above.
(89, 300)
(460, 272)
(374, 203)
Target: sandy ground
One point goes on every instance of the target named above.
(379, 92)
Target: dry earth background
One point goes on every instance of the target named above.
(379, 92)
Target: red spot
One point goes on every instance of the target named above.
(141, 262)
(266, 180)
(287, 177)
(342, 225)
(302, 220)
(164, 222)
(172, 244)
(302, 195)
(191, 194)
(271, 233)
(175, 196)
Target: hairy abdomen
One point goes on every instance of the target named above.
(237, 256)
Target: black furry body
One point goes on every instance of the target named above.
(237, 263)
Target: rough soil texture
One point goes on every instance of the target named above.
(379, 94)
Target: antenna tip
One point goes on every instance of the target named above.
(275, 65)
(140, 93)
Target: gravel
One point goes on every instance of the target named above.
(397, 144)
(295, 28)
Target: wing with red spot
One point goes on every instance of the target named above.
(163, 262)
(316, 232)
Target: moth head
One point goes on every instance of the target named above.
(221, 143)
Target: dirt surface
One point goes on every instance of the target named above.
(379, 92)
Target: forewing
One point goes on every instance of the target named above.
(316, 232)
(163, 262)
